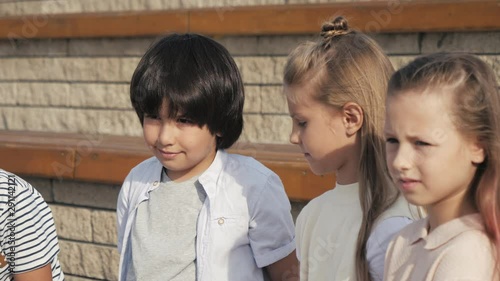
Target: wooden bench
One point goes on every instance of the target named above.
(108, 159)
(369, 16)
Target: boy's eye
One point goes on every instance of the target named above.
(152, 116)
(184, 120)
(391, 140)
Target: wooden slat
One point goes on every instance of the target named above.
(94, 25)
(51, 162)
(370, 16)
(108, 159)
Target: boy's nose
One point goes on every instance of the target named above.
(166, 136)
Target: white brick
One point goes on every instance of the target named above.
(261, 70)
(114, 122)
(239, 45)
(86, 194)
(109, 47)
(397, 43)
(473, 42)
(266, 128)
(282, 45)
(119, 123)
(8, 94)
(104, 227)
(273, 100)
(89, 260)
(89, 6)
(115, 96)
(252, 99)
(68, 69)
(27, 47)
(47, 94)
(73, 223)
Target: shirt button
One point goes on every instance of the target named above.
(155, 183)
(220, 221)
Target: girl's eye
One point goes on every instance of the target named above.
(421, 143)
(391, 140)
(301, 123)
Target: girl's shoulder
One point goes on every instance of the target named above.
(401, 208)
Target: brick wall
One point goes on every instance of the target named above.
(77, 85)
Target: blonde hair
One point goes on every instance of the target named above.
(476, 103)
(348, 66)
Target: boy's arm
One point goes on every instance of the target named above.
(41, 274)
(286, 269)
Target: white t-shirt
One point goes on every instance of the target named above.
(327, 230)
(28, 238)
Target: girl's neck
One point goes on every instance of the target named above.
(348, 172)
(451, 208)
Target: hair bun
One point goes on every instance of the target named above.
(337, 27)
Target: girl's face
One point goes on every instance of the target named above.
(320, 132)
(183, 148)
(430, 161)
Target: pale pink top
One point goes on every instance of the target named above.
(456, 250)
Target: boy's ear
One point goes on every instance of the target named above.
(352, 116)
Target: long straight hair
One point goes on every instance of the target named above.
(348, 66)
(476, 103)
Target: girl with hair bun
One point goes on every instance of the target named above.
(335, 89)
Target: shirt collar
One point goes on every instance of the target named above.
(446, 231)
(208, 179)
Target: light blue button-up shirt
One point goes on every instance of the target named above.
(244, 224)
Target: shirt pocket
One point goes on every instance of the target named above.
(232, 229)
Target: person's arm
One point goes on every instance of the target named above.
(272, 232)
(378, 242)
(286, 269)
(40, 274)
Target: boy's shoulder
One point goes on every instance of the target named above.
(146, 167)
(246, 164)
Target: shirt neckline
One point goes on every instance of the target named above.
(445, 232)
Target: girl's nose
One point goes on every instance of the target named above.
(403, 159)
(294, 136)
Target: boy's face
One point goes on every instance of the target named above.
(182, 147)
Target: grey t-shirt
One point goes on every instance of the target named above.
(164, 234)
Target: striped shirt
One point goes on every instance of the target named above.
(28, 238)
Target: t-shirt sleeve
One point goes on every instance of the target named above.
(272, 232)
(29, 238)
(378, 242)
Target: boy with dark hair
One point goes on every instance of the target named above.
(194, 211)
